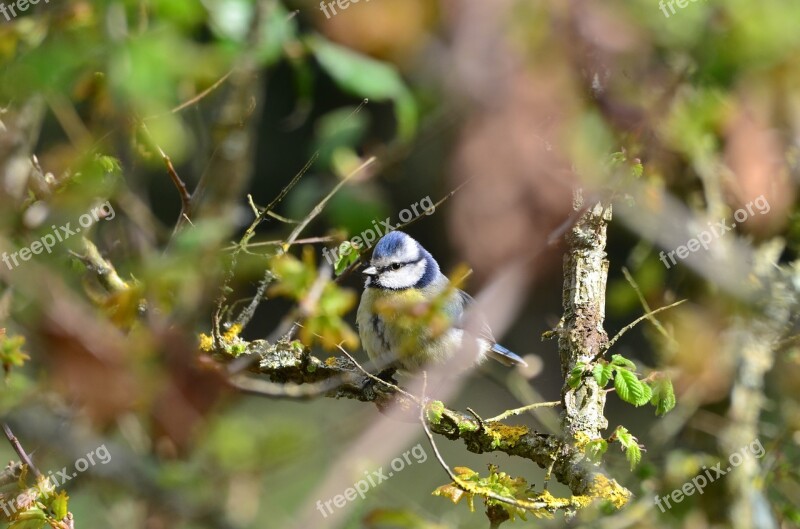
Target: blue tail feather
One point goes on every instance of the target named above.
(504, 356)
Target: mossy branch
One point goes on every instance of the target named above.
(292, 372)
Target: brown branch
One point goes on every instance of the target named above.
(15, 444)
(183, 191)
(287, 370)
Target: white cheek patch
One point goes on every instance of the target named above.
(406, 277)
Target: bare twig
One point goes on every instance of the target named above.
(377, 379)
(529, 407)
(321, 205)
(183, 191)
(645, 305)
(202, 94)
(633, 324)
(15, 444)
(278, 242)
(458, 481)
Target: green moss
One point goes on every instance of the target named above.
(434, 412)
(503, 434)
(467, 426)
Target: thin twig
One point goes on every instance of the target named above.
(202, 94)
(183, 191)
(246, 315)
(288, 322)
(258, 386)
(631, 325)
(377, 379)
(277, 242)
(321, 205)
(458, 481)
(645, 305)
(285, 191)
(15, 444)
(510, 413)
(548, 474)
(477, 418)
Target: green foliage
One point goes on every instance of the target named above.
(621, 361)
(602, 373)
(434, 411)
(368, 78)
(33, 518)
(630, 388)
(37, 506)
(663, 395)
(595, 449)
(496, 482)
(629, 444)
(627, 384)
(11, 353)
(324, 321)
(576, 374)
(347, 255)
(59, 505)
(109, 164)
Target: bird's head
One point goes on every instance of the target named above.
(400, 262)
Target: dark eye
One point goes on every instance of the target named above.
(397, 266)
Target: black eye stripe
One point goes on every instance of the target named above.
(389, 267)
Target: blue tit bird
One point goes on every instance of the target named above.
(402, 272)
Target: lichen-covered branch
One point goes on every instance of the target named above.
(581, 336)
(292, 369)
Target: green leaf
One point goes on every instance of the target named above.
(366, 77)
(575, 375)
(630, 388)
(59, 505)
(621, 361)
(633, 454)
(637, 170)
(595, 449)
(602, 374)
(648, 393)
(629, 443)
(31, 519)
(11, 353)
(663, 397)
(109, 164)
(347, 255)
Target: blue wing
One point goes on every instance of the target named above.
(495, 351)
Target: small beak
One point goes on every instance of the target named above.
(370, 271)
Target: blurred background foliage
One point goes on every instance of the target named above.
(522, 100)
